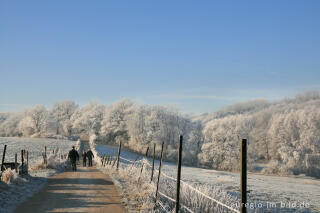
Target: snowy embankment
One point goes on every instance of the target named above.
(267, 193)
(14, 188)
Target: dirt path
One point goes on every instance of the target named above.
(87, 190)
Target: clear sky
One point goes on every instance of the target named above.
(195, 55)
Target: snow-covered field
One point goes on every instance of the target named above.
(22, 187)
(35, 147)
(267, 193)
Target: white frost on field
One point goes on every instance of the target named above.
(35, 147)
(264, 190)
(23, 187)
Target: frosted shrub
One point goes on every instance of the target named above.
(10, 176)
(53, 162)
(92, 141)
(135, 187)
(274, 167)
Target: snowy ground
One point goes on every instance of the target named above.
(23, 187)
(35, 147)
(265, 191)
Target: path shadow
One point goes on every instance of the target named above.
(72, 195)
(69, 201)
(86, 181)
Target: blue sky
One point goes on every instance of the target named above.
(195, 55)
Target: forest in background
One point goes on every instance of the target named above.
(283, 136)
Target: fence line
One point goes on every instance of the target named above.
(210, 198)
(125, 159)
(161, 204)
(196, 190)
(171, 178)
(188, 185)
(185, 207)
(29, 159)
(201, 193)
(171, 199)
(145, 161)
(159, 192)
(164, 195)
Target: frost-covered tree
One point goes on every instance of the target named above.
(222, 136)
(281, 135)
(150, 125)
(38, 118)
(3, 117)
(9, 126)
(88, 119)
(283, 132)
(196, 136)
(294, 134)
(260, 142)
(307, 96)
(62, 113)
(114, 124)
(26, 127)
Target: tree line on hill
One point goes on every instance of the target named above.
(281, 135)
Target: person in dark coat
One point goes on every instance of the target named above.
(90, 156)
(73, 156)
(84, 157)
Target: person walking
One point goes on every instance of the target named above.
(84, 157)
(73, 156)
(90, 156)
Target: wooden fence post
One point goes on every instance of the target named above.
(118, 158)
(154, 153)
(107, 161)
(3, 157)
(22, 162)
(114, 161)
(143, 164)
(45, 156)
(111, 158)
(102, 159)
(16, 162)
(155, 200)
(27, 162)
(243, 178)
(179, 174)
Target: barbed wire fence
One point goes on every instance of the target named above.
(193, 198)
